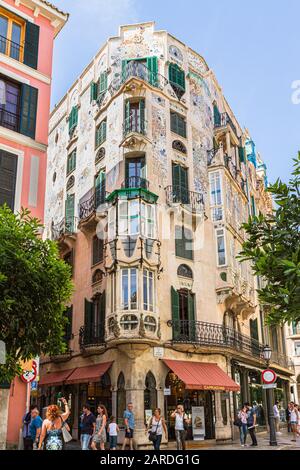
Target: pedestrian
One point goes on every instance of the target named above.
(156, 426)
(243, 416)
(35, 427)
(288, 416)
(87, 426)
(294, 421)
(277, 417)
(52, 434)
(251, 423)
(113, 430)
(27, 441)
(129, 422)
(181, 426)
(99, 436)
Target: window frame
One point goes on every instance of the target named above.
(184, 121)
(149, 298)
(216, 196)
(72, 157)
(101, 133)
(219, 235)
(130, 277)
(11, 19)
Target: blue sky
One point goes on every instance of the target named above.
(252, 46)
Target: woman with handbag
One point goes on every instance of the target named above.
(55, 430)
(156, 427)
(243, 417)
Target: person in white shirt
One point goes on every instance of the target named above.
(277, 417)
(294, 421)
(181, 424)
(113, 430)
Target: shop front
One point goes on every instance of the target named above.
(204, 392)
(82, 385)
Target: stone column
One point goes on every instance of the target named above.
(136, 396)
(4, 399)
(223, 433)
(228, 144)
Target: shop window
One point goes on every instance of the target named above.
(178, 124)
(100, 133)
(150, 324)
(185, 271)
(129, 322)
(71, 162)
(183, 243)
(121, 398)
(150, 393)
(148, 290)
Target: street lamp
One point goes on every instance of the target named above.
(267, 353)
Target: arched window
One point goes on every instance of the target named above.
(179, 146)
(121, 398)
(185, 271)
(100, 155)
(150, 393)
(70, 182)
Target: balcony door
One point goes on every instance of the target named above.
(135, 117)
(183, 315)
(100, 190)
(135, 172)
(10, 94)
(180, 184)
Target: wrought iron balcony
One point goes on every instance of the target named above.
(137, 69)
(135, 123)
(135, 182)
(11, 48)
(181, 195)
(91, 205)
(223, 120)
(9, 120)
(67, 226)
(91, 336)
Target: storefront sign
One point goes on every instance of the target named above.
(198, 422)
(158, 352)
(167, 392)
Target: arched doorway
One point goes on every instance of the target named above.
(121, 398)
(189, 399)
(150, 394)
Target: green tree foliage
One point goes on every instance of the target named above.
(35, 285)
(273, 246)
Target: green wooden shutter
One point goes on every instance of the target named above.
(88, 319)
(94, 91)
(191, 316)
(29, 101)
(152, 65)
(177, 76)
(102, 83)
(31, 46)
(175, 313)
(70, 207)
(142, 115)
(73, 119)
(242, 154)
(8, 175)
(217, 116)
(102, 316)
(68, 329)
(124, 64)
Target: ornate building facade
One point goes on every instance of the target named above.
(149, 179)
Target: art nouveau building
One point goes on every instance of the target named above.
(149, 179)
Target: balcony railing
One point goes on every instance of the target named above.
(137, 69)
(9, 120)
(91, 336)
(135, 182)
(223, 120)
(179, 194)
(135, 123)
(211, 334)
(11, 48)
(67, 226)
(91, 205)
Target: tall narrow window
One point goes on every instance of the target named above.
(129, 289)
(100, 133)
(135, 117)
(71, 162)
(183, 242)
(8, 175)
(177, 79)
(98, 246)
(135, 173)
(148, 290)
(221, 248)
(180, 184)
(113, 292)
(178, 124)
(216, 196)
(73, 119)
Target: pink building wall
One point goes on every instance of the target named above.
(40, 79)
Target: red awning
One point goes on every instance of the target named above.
(202, 376)
(88, 374)
(55, 378)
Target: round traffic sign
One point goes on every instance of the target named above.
(268, 376)
(29, 376)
